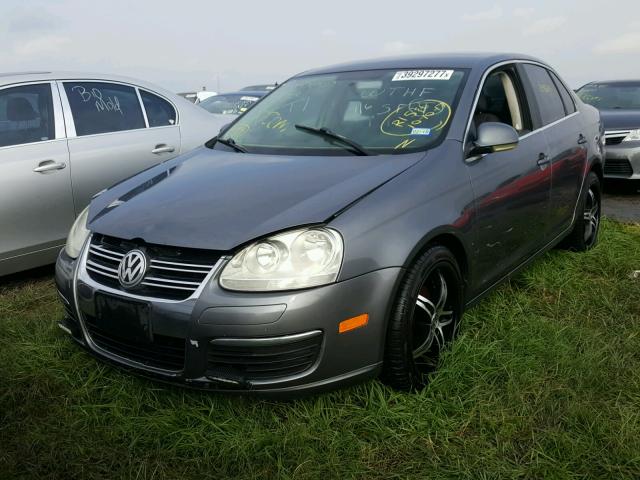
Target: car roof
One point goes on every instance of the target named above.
(440, 60)
(249, 93)
(47, 76)
(260, 87)
(615, 82)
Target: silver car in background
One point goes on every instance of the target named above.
(232, 104)
(64, 137)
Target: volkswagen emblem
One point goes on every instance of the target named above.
(132, 269)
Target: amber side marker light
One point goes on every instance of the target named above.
(353, 323)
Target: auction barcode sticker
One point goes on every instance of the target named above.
(422, 75)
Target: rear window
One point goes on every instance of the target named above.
(567, 99)
(103, 107)
(160, 113)
(26, 114)
(546, 94)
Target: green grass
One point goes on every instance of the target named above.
(543, 382)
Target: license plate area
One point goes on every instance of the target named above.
(123, 318)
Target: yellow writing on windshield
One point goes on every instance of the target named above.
(419, 115)
(404, 143)
(587, 97)
(240, 129)
(275, 121)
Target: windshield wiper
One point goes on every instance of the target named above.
(231, 143)
(328, 134)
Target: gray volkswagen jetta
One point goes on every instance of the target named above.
(337, 230)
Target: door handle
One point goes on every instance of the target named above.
(543, 161)
(49, 166)
(582, 139)
(163, 148)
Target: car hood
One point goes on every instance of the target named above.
(620, 119)
(218, 200)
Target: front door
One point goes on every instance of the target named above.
(512, 188)
(36, 205)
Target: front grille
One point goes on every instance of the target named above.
(249, 360)
(620, 167)
(163, 352)
(174, 273)
(615, 137)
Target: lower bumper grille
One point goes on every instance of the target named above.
(619, 167)
(615, 137)
(265, 358)
(613, 140)
(164, 352)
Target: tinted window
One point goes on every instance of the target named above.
(618, 95)
(26, 115)
(103, 107)
(547, 96)
(159, 111)
(567, 99)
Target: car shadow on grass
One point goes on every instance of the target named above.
(20, 279)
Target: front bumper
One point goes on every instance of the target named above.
(221, 326)
(623, 161)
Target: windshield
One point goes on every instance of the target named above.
(606, 96)
(234, 104)
(381, 111)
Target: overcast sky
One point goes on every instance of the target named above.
(184, 45)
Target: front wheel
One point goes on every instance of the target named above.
(584, 235)
(424, 319)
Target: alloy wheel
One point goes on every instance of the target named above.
(591, 217)
(433, 320)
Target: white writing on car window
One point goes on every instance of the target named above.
(102, 103)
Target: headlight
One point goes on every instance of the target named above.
(297, 259)
(632, 136)
(77, 235)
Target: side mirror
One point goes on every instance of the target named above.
(494, 137)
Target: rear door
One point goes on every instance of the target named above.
(112, 136)
(36, 205)
(556, 114)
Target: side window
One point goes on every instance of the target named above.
(26, 114)
(103, 107)
(546, 94)
(159, 112)
(500, 100)
(567, 99)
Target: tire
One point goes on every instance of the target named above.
(424, 319)
(584, 235)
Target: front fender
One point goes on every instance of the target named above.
(390, 226)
